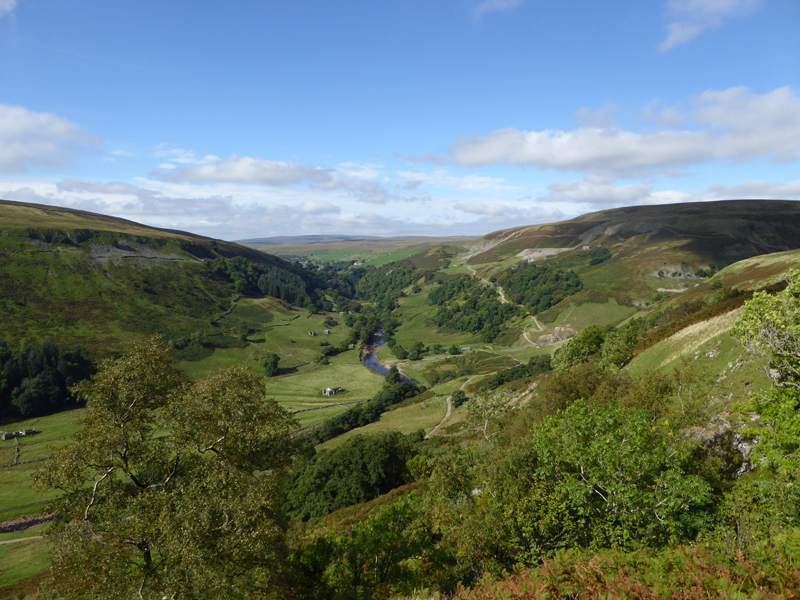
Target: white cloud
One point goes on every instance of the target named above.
(181, 156)
(597, 191)
(233, 211)
(693, 17)
(479, 208)
(121, 153)
(758, 190)
(316, 207)
(39, 139)
(731, 125)
(603, 117)
(495, 216)
(244, 169)
(351, 178)
(487, 6)
(7, 7)
(442, 178)
(663, 117)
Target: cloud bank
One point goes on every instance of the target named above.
(733, 125)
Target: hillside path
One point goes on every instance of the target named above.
(449, 408)
(538, 326)
(442, 422)
(499, 289)
(26, 539)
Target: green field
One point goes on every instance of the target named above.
(23, 560)
(53, 432)
(423, 415)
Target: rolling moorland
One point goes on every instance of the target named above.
(603, 407)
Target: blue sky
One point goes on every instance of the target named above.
(458, 117)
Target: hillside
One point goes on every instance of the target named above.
(653, 249)
(79, 277)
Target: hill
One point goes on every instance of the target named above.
(79, 277)
(650, 249)
(302, 240)
(371, 250)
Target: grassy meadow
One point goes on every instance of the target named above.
(423, 415)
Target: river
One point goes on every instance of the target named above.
(373, 364)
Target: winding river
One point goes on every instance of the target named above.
(371, 358)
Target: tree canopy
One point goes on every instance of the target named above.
(171, 489)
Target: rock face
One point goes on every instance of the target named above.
(731, 445)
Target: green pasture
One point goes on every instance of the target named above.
(303, 389)
(599, 314)
(25, 559)
(290, 339)
(406, 419)
(313, 417)
(221, 358)
(54, 431)
(379, 259)
(279, 329)
(417, 326)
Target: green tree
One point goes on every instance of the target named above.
(578, 350)
(484, 413)
(393, 376)
(362, 468)
(374, 556)
(458, 398)
(171, 489)
(770, 324)
(269, 362)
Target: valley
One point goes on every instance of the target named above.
(518, 367)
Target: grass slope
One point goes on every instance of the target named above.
(77, 277)
(672, 239)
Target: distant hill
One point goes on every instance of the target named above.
(303, 240)
(727, 230)
(300, 240)
(372, 250)
(651, 247)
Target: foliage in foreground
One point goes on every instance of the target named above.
(682, 573)
(171, 489)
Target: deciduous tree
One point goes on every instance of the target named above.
(171, 489)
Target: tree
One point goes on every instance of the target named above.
(171, 489)
(458, 398)
(771, 325)
(393, 376)
(485, 411)
(269, 362)
(374, 557)
(578, 350)
(362, 468)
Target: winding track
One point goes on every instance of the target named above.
(499, 289)
(449, 408)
